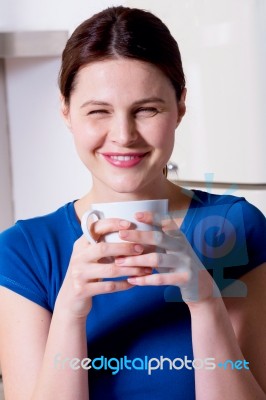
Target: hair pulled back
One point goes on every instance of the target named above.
(121, 32)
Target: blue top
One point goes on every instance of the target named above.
(144, 323)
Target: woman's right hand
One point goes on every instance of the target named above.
(89, 265)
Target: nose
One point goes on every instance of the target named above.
(123, 130)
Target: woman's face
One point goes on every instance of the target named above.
(123, 114)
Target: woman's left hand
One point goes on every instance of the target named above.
(173, 257)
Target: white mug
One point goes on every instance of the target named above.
(124, 210)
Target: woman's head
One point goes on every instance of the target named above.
(119, 32)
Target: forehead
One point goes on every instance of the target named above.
(122, 75)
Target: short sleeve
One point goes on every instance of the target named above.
(250, 228)
(228, 234)
(255, 232)
(19, 269)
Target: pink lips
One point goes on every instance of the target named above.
(126, 160)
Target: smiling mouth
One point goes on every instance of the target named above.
(124, 160)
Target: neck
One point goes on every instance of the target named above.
(179, 199)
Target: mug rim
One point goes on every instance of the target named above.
(131, 201)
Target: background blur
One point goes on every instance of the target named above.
(220, 145)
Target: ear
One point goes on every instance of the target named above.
(65, 111)
(181, 106)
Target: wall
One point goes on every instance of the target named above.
(48, 14)
(6, 203)
(46, 171)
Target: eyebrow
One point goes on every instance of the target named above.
(136, 103)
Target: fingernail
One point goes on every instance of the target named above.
(139, 215)
(138, 248)
(124, 224)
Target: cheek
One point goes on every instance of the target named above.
(85, 136)
(162, 134)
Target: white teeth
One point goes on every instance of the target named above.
(123, 158)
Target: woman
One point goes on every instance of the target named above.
(75, 326)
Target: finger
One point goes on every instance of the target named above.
(94, 288)
(97, 251)
(169, 225)
(149, 218)
(112, 270)
(103, 226)
(179, 279)
(163, 221)
(155, 238)
(149, 260)
(161, 261)
(81, 243)
(108, 225)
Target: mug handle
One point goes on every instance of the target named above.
(84, 224)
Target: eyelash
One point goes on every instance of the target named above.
(97, 112)
(151, 110)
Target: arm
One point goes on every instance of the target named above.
(24, 330)
(217, 332)
(24, 326)
(33, 342)
(232, 329)
(66, 339)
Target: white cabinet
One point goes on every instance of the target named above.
(222, 43)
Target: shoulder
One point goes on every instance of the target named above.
(228, 234)
(40, 242)
(52, 221)
(235, 209)
(42, 227)
(34, 254)
(205, 199)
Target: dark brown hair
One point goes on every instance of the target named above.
(121, 32)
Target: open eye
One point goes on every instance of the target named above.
(147, 111)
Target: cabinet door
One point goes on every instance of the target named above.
(222, 44)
